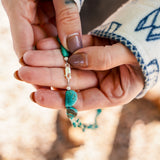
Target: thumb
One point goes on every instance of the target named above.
(68, 24)
(102, 57)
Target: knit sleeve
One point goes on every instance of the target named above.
(137, 26)
(79, 3)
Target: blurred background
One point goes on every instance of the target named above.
(30, 132)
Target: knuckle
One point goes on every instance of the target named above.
(114, 88)
(68, 15)
(116, 96)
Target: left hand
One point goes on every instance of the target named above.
(34, 20)
(107, 75)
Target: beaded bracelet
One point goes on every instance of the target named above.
(71, 97)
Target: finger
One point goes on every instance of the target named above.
(52, 43)
(87, 99)
(102, 57)
(39, 33)
(48, 44)
(87, 40)
(46, 17)
(68, 24)
(112, 95)
(55, 77)
(49, 57)
(41, 87)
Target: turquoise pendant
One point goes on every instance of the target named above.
(71, 112)
(70, 98)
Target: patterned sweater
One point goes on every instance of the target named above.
(137, 26)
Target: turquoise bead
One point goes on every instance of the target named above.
(90, 126)
(74, 124)
(70, 98)
(79, 124)
(65, 53)
(98, 112)
(71, 112)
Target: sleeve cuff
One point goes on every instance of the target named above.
(137, 26)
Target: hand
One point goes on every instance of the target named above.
(107, 75)
(33, 20)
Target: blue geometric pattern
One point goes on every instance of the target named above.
(153, 64)
(110, 27)
(152, 23)
(80, 1)
(149, 73)
(153, 68)
(113, 27)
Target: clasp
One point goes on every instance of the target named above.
(68, 71)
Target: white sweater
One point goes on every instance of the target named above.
(137, 26)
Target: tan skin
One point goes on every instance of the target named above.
(112, 77)
(99, 85)
(33, 20)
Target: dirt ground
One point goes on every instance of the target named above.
(30, 132)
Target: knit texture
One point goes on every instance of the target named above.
(137, 26)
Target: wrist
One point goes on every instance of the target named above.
(138, 33)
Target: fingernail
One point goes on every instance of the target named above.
(21, 61)
(79, 60)
(16, 76)
(32, 97)
(74, 42)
